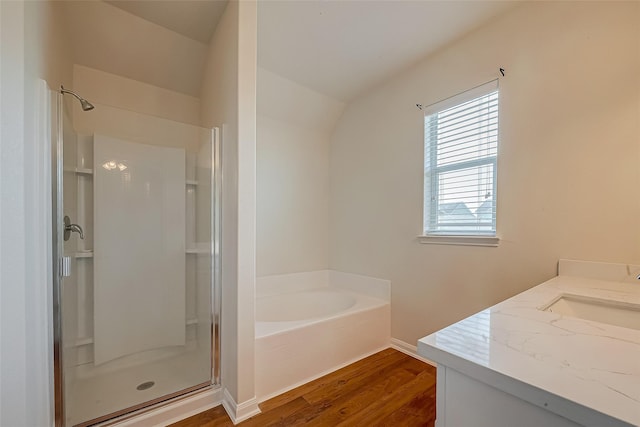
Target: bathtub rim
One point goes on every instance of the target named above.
(363, 303)
(275, 284)
(332, 301)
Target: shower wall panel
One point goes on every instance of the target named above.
(139, 253)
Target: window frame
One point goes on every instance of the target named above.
(432, 171)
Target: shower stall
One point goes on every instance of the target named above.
(136, 204)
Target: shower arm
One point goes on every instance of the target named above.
(86, 105)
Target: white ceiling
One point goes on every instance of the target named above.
(337, 48)
(342, 48)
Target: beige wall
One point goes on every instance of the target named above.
(116, 91)
(292, 198)
(294, 132)
(568, 174)
(51, 50)
(229, 102)
(136, 111)
(285, 100)
(246, 286)
(32, 48)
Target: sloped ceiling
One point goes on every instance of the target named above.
(337, 48)
(111, 39)
(342, 48)
(196, 19)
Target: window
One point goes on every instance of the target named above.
(460, 152)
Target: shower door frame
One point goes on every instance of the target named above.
(57, 214)
(57, 253)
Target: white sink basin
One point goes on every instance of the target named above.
(616, 313)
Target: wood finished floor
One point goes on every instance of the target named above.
(388, 388)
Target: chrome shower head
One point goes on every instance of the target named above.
(86, 105)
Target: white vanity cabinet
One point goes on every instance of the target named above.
(517, 364)
(463, 400)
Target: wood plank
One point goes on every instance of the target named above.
(380, 359)
(389, 403)
(421, 411)
(214, 417)
(388, 388)
(416, 366)
(336, 401)
(341, 409)
(361, 381)
(317, 413)
(277, 417)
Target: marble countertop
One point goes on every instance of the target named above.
(579, 363)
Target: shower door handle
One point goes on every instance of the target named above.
(65, 266)
(68, 228)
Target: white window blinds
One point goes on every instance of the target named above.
(461, 147)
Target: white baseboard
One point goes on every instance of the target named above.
(175, 411)
(410, 350)
(239, 412)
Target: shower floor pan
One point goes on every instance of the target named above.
(107, 392)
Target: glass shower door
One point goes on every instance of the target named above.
(135, 230)
(66, 245)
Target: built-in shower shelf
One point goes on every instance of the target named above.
(83, 341)
(88, 341)
(81, 171)
(197, 251)
(83, 254)
(191, 182)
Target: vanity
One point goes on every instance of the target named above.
(565, 353)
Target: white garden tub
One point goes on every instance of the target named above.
(309, 324)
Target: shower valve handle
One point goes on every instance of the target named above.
(68, 228)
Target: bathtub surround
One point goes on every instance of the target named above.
(536, 367)
(309, 324)
(570, 105)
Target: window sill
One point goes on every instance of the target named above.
(452, 239)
